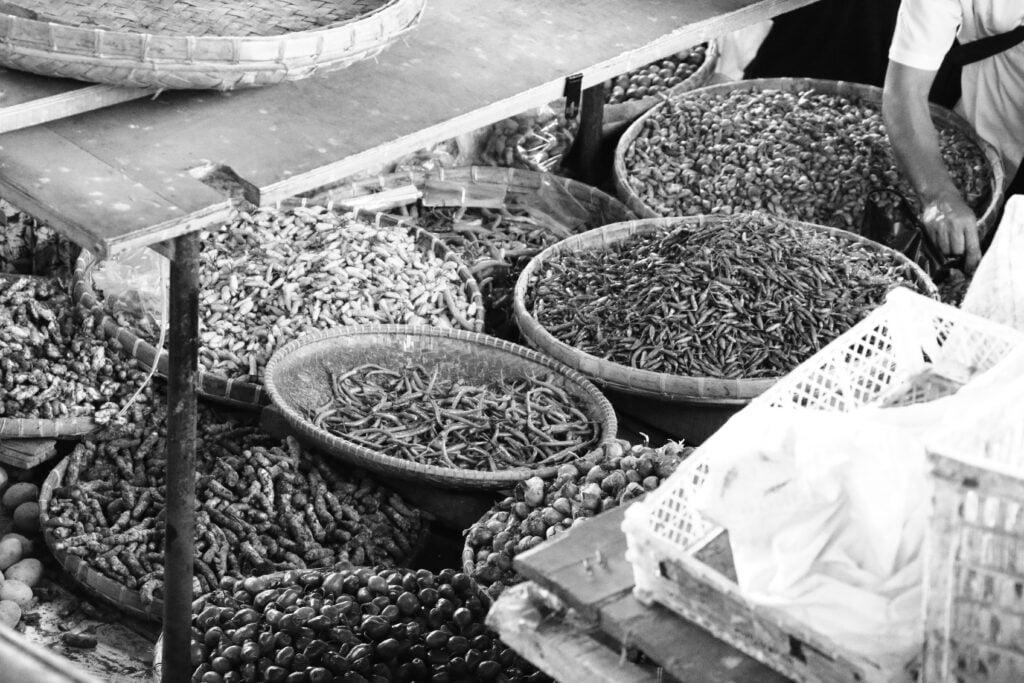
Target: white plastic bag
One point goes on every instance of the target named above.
(997, 290)
(827, 511)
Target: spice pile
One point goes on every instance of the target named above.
(355, 625)
(274, 275)
(806, 155)
(262, 506)
(54, 361)
(421, 416)
(539, 509)
(746, 297)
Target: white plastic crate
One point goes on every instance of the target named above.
(682, 560)
(974, 550)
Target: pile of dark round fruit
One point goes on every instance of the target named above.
(355, 626)
(538, 509)
(656, 77)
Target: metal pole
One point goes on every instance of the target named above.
(179, 527)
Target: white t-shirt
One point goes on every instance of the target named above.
(993, 88)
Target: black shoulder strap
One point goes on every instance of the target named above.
(986, 47)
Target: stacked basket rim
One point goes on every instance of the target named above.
(291, 369)
(854, 91)
(186, 45)
(646, 382)
(235, 392)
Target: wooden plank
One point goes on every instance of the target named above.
(91, 202)
(686, 651)
(490, 61)
(61, 105)
(557, 646)
(27, 453)
(586, 567)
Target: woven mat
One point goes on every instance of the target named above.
(202, 17)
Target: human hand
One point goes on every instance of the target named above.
(953, 228)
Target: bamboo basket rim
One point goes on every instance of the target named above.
(854, 91)
(52, 47)
(648, 383)
(94, 582)
(410, 336)
(238, 393)
(697, 79)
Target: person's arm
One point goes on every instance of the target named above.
(915, 141)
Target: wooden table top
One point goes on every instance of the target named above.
(119, 176)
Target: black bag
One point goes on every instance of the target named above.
(898, 227)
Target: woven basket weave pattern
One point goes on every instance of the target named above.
(194, 45)
(200, 18)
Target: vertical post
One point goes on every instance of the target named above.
(588, 137)
(179, 527)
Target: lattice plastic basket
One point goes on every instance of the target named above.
(909, 350)
(974, 550)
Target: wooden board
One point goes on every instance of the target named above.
(557, 645)
(587, 570)
(466, 65)
(27, 453)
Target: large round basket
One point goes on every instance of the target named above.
(856, 92)
(230, 391)
(192, 44)
(646, 383)
(296, 380)
(114, 592)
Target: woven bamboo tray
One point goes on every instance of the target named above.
(102, 586)
(237, 393)
(99, 585)
(194, 44)
(295, 379)
(646, 383)
(857, 92)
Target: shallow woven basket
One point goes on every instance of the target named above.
(857, 92)
(647, 383)
(295, 379)
(224, 389)
(195, 44)
(697, 79)
(114, 592)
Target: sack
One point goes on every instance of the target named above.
(889, 219)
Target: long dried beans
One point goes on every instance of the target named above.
(417, 415)
(749, 297)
